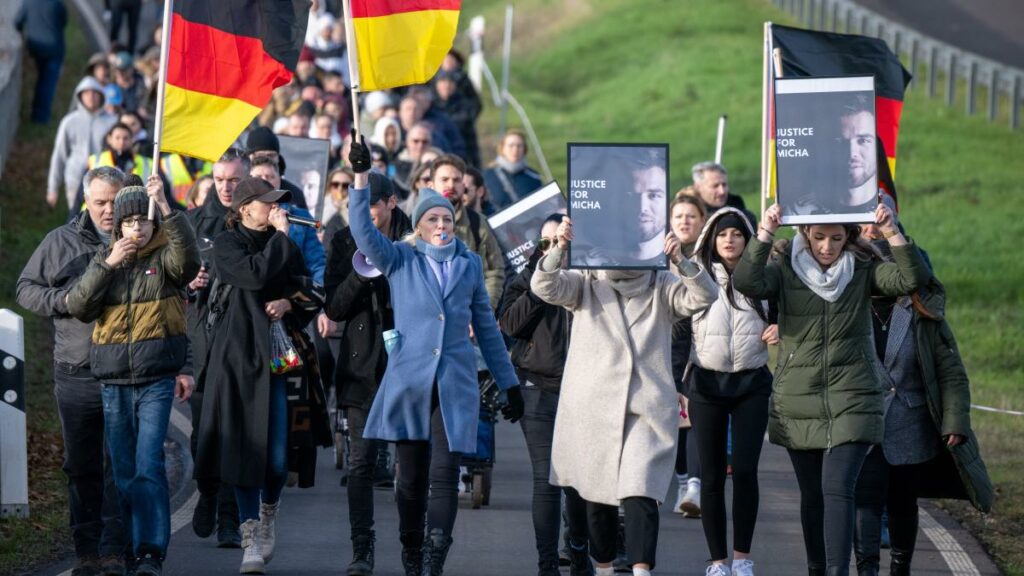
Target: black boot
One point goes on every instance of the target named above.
(362, 555)
(867, 540)
(903, 535)
(435, 550)
(815, 571)
(579, 561)
(548, 568)
(204, 517)
(412, 553)
(228, 535)
(900, 564)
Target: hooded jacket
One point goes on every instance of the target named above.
(727, 339)
(139, 306)
(80, 135)
(50, 274)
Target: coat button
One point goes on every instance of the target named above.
(360, 328)
(436, 352)
(440, 317)
(354, 354)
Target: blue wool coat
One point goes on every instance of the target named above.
(434, 342)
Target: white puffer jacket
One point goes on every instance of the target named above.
(727, 339)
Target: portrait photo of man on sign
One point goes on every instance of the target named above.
(618, 200)
(826, 149)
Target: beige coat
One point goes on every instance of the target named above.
(616, 429)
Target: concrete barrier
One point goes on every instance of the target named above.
(13, 440)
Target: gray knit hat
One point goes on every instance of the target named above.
(429, 198)
(130, 200)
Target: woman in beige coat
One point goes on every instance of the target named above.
(615, 434)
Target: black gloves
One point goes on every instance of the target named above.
(359, 154)
(513, 409)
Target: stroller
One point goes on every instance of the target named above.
(478, 467)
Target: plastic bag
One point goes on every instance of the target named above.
(283, 355)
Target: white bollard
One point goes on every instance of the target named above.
(13, 441)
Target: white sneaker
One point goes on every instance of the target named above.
(743, 567)
(718, 570)
(690, 503)
(680, 494)
(268, 514)
(252, 558)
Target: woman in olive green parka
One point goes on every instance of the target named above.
(827, 399)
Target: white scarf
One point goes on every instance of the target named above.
(828, 284)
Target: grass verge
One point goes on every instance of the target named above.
(658, 71)
(25, 220)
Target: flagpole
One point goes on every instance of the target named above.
(765, 123)
(158, 123)
(720, 141)
(353, 65)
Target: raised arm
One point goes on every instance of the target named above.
(753, 276)
(693, 292)
(555, 286)
(377, 247)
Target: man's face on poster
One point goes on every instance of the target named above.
(651, 185)
(858, 132)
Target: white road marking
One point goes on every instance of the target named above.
(960, 564)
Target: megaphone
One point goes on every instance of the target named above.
(363, 266)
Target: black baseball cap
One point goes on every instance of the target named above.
(381, 187)
(250, 189)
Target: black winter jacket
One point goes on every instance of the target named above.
(364, 305)
(541, 331)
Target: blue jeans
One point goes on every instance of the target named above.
(136, 419)
(47, 74)
(277, 456)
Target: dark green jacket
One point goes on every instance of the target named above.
(139, 306)
(947, 389)
(826, 390)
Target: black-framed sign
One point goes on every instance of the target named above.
(307, 160)
(826, 149)
(618, 202)
(517, 228)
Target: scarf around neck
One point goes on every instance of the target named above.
(828, 284)
(510, 167)
(627, 283)
(439, 258)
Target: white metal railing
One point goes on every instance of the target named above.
(915, 49)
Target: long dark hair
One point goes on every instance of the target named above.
(708, 256)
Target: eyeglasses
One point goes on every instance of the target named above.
(544, 244)
(342, 185)
(134, 220)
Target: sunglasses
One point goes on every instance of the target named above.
(544, 244)
(342, 185)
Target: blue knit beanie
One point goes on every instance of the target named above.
(430, 199)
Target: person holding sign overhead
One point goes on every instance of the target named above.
(827, 399)
(615, 435)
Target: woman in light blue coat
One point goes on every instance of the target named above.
(429, 400)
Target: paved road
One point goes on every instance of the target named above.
(313, 536)
(990, 28)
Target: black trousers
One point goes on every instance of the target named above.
(641, 516)
(227, 507)
(119, 10)
(827, 482)
(362, 460)
(710, 418)
(687, 458)
(428, 469)
(95, 514)
(538, 424)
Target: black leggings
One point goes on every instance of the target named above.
(687, 459)
(428, 468)
(711, 423)
(641, 517)
(827, 481)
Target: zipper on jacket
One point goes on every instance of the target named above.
(826, 365)
(128, 317)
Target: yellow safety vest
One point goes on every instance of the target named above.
(173, 166)
(140, 164)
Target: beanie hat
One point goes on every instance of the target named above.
(429, 198)
(130, 200)
(262, 138)
(732, 220)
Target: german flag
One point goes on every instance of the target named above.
(402, 42)
(809, 53)
(225, 59)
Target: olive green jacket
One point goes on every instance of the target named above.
(947, 389)
(827, 390)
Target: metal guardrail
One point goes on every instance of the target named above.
(942, 61)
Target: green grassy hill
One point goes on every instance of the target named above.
(664, 70)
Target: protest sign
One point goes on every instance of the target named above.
(826, 150)
(618, 202)
(517, 228)
(306, 159)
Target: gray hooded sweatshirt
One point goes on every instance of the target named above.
(81, 134)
